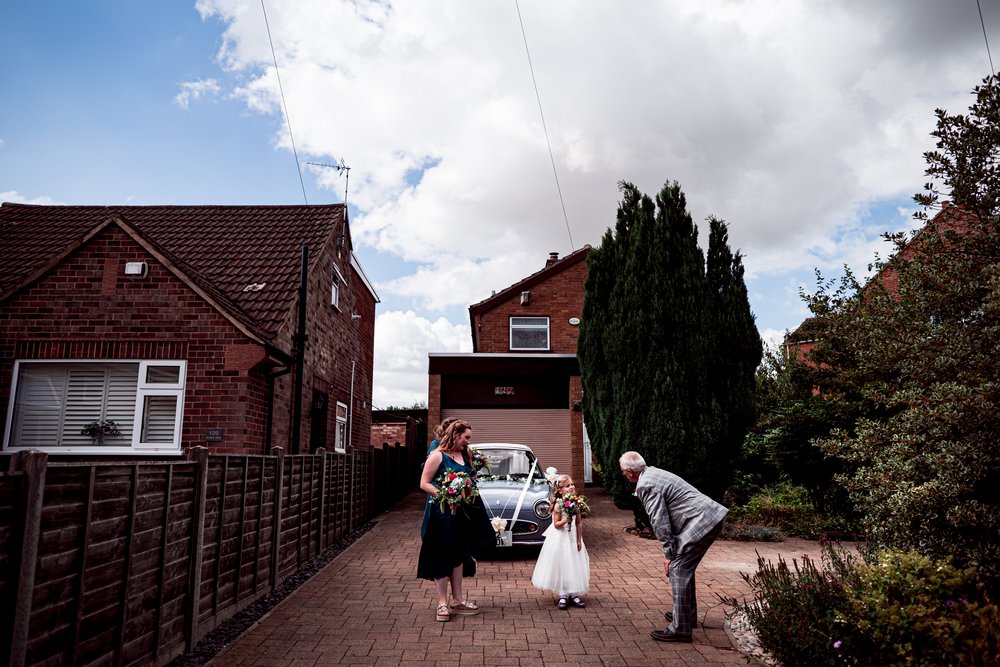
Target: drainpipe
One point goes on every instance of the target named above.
(300, 354)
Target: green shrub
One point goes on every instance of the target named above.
(907, 609)
(899, 608)
(787, 507)
(794, 608)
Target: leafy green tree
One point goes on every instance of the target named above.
(667, 346)
(780, 445)
(916, 354)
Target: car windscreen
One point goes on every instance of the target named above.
(513, 462)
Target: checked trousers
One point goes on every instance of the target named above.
(682, 586)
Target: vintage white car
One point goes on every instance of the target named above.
(516, 482)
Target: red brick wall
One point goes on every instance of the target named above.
(560, 297)
(81, 310)
(338, 344)
(391, 433)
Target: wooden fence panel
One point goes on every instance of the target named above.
(133, 566)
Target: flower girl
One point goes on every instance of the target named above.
(563, 565)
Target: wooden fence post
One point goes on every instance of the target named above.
(200, 457)
(350, 491)
(279, 479)
(322, 541)
(33, 465)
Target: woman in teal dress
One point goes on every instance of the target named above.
(449, 540)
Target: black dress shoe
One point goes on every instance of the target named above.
(668, 636)
(669, 615)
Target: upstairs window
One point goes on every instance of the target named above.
(529, 333)
(106, 407)
(338, 281)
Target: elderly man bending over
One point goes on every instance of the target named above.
(686, 521)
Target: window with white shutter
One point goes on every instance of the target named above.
(113, 407)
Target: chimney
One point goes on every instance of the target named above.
(553, 258)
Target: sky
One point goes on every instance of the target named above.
(481, 136)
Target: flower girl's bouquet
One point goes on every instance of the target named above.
(455, 489)
(480, 461)
(573, 504)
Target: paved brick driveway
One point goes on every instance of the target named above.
(367, 607)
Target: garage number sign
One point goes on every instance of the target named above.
(503, 391)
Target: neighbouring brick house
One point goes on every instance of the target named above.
(800, 342)
(180, 323)
(521, 383)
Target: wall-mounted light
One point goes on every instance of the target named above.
(526, 298)
(136, 269)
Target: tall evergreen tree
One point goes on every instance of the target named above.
(667, 347)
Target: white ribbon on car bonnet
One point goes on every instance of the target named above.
(524, 491)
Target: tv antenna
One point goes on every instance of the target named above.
(341, 168)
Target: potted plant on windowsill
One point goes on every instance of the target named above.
(100, 429)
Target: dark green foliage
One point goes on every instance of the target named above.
(919, 366)
(780, 445)
(899, 609)
(667, 346)
(786, 508)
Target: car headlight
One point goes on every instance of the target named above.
(541, 508)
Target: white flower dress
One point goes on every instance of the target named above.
(560, 567)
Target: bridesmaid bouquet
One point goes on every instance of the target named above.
(480, 461)
(573, 504)
(455, 489)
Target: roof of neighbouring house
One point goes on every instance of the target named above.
(551, 268)
(219, 250)
(950, 219)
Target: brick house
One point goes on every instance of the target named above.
(799, 343)
(179, 324)
(521, 383)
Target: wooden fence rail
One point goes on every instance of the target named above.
(134, 563)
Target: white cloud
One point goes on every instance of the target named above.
(403, 340)
(787, 118)
(14, 197)
(192, 91)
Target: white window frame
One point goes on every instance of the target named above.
(340, 434)
(144, 389)
(337, 281)
(514, 326)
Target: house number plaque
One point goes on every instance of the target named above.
(503, 391)
(213, 435)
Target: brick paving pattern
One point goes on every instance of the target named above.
(367, 607)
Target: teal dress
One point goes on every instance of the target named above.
(450, 540)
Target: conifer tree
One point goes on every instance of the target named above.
(667, 350)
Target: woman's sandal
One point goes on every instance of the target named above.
(443, 614)
(577, 602)
(562, 603)
(465, 607)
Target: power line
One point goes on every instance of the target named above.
(288, 120)
(986, 39)
(544, 128)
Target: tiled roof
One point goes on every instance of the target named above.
(221, 249)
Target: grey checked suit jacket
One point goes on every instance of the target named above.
(680, 514)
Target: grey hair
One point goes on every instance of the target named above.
(632, 461)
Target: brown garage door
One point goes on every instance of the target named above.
(545, 431)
